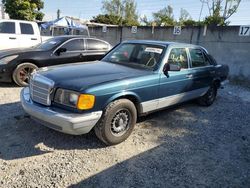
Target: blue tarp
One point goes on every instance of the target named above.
(64, 22)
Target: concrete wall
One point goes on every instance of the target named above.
(224, 43)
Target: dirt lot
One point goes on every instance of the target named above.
(187, 145)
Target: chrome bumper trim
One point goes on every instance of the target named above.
(55, 118)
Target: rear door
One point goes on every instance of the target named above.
(8, 35)
(202, 70)
(177, 86)
(96, 49)
(28, 35)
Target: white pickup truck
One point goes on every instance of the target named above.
(19, 34)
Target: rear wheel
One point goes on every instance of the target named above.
(209, 97)
(22, 73)
(117, 122)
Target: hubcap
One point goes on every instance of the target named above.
(211, 94)
(120, 123)
(25, 73)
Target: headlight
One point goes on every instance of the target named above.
(7, 59)
(74, 99)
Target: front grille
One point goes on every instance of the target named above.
(41, 89)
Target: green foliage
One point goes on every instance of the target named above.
(119, 12)
(107, 19)
(24, 9)
(215, 21)
(145, 22)
(164, 17)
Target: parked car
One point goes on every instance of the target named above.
(133, 79)
(19, 34)
(17, 64)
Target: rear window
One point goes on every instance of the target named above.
(26, 29)
(7, 27)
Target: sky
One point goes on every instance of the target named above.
(86, 9)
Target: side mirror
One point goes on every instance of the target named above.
(170, 67)
(60, 50)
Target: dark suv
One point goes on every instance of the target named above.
(17, 64)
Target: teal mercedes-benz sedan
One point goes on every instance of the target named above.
(133, 79)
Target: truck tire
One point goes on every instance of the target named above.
(22, 72)
(117, 123)
(209, 97)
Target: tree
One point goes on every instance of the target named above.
(24, 9)
(221, 11)
(184, 16)
(144, 21)
(164, 17)
(121, 12)
(130, 13)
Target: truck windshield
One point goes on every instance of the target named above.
(49, 44)
(131, 54)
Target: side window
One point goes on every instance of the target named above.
(96, 45)
(197, 58)
(74, 45)
(178, 56)
(26, 29)
(7, 27)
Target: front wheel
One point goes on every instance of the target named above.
(22, 73)
(117, 122)
(209, 97)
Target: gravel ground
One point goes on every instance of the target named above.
(185, 146)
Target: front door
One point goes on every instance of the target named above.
(176, 87)
(8, 35)
(74, 53)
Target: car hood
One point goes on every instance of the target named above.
(4, 53)
(80, 76)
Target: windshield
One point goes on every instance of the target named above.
(49, 44)
(140, 55)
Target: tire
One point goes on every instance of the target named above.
(22, 72)
(117, 123)
(209, 97)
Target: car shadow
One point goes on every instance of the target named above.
(21, 137)
(213, 154)
(3, 85)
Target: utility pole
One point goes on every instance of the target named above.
(2, 11)
(58, 13)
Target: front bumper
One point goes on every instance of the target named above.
(57, 119)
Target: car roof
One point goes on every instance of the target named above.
(66, 37)
(164, 43)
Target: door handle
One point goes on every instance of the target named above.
(12, 38)
(33, 38)
(82, 55)
(189, 76)
(212, 72)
